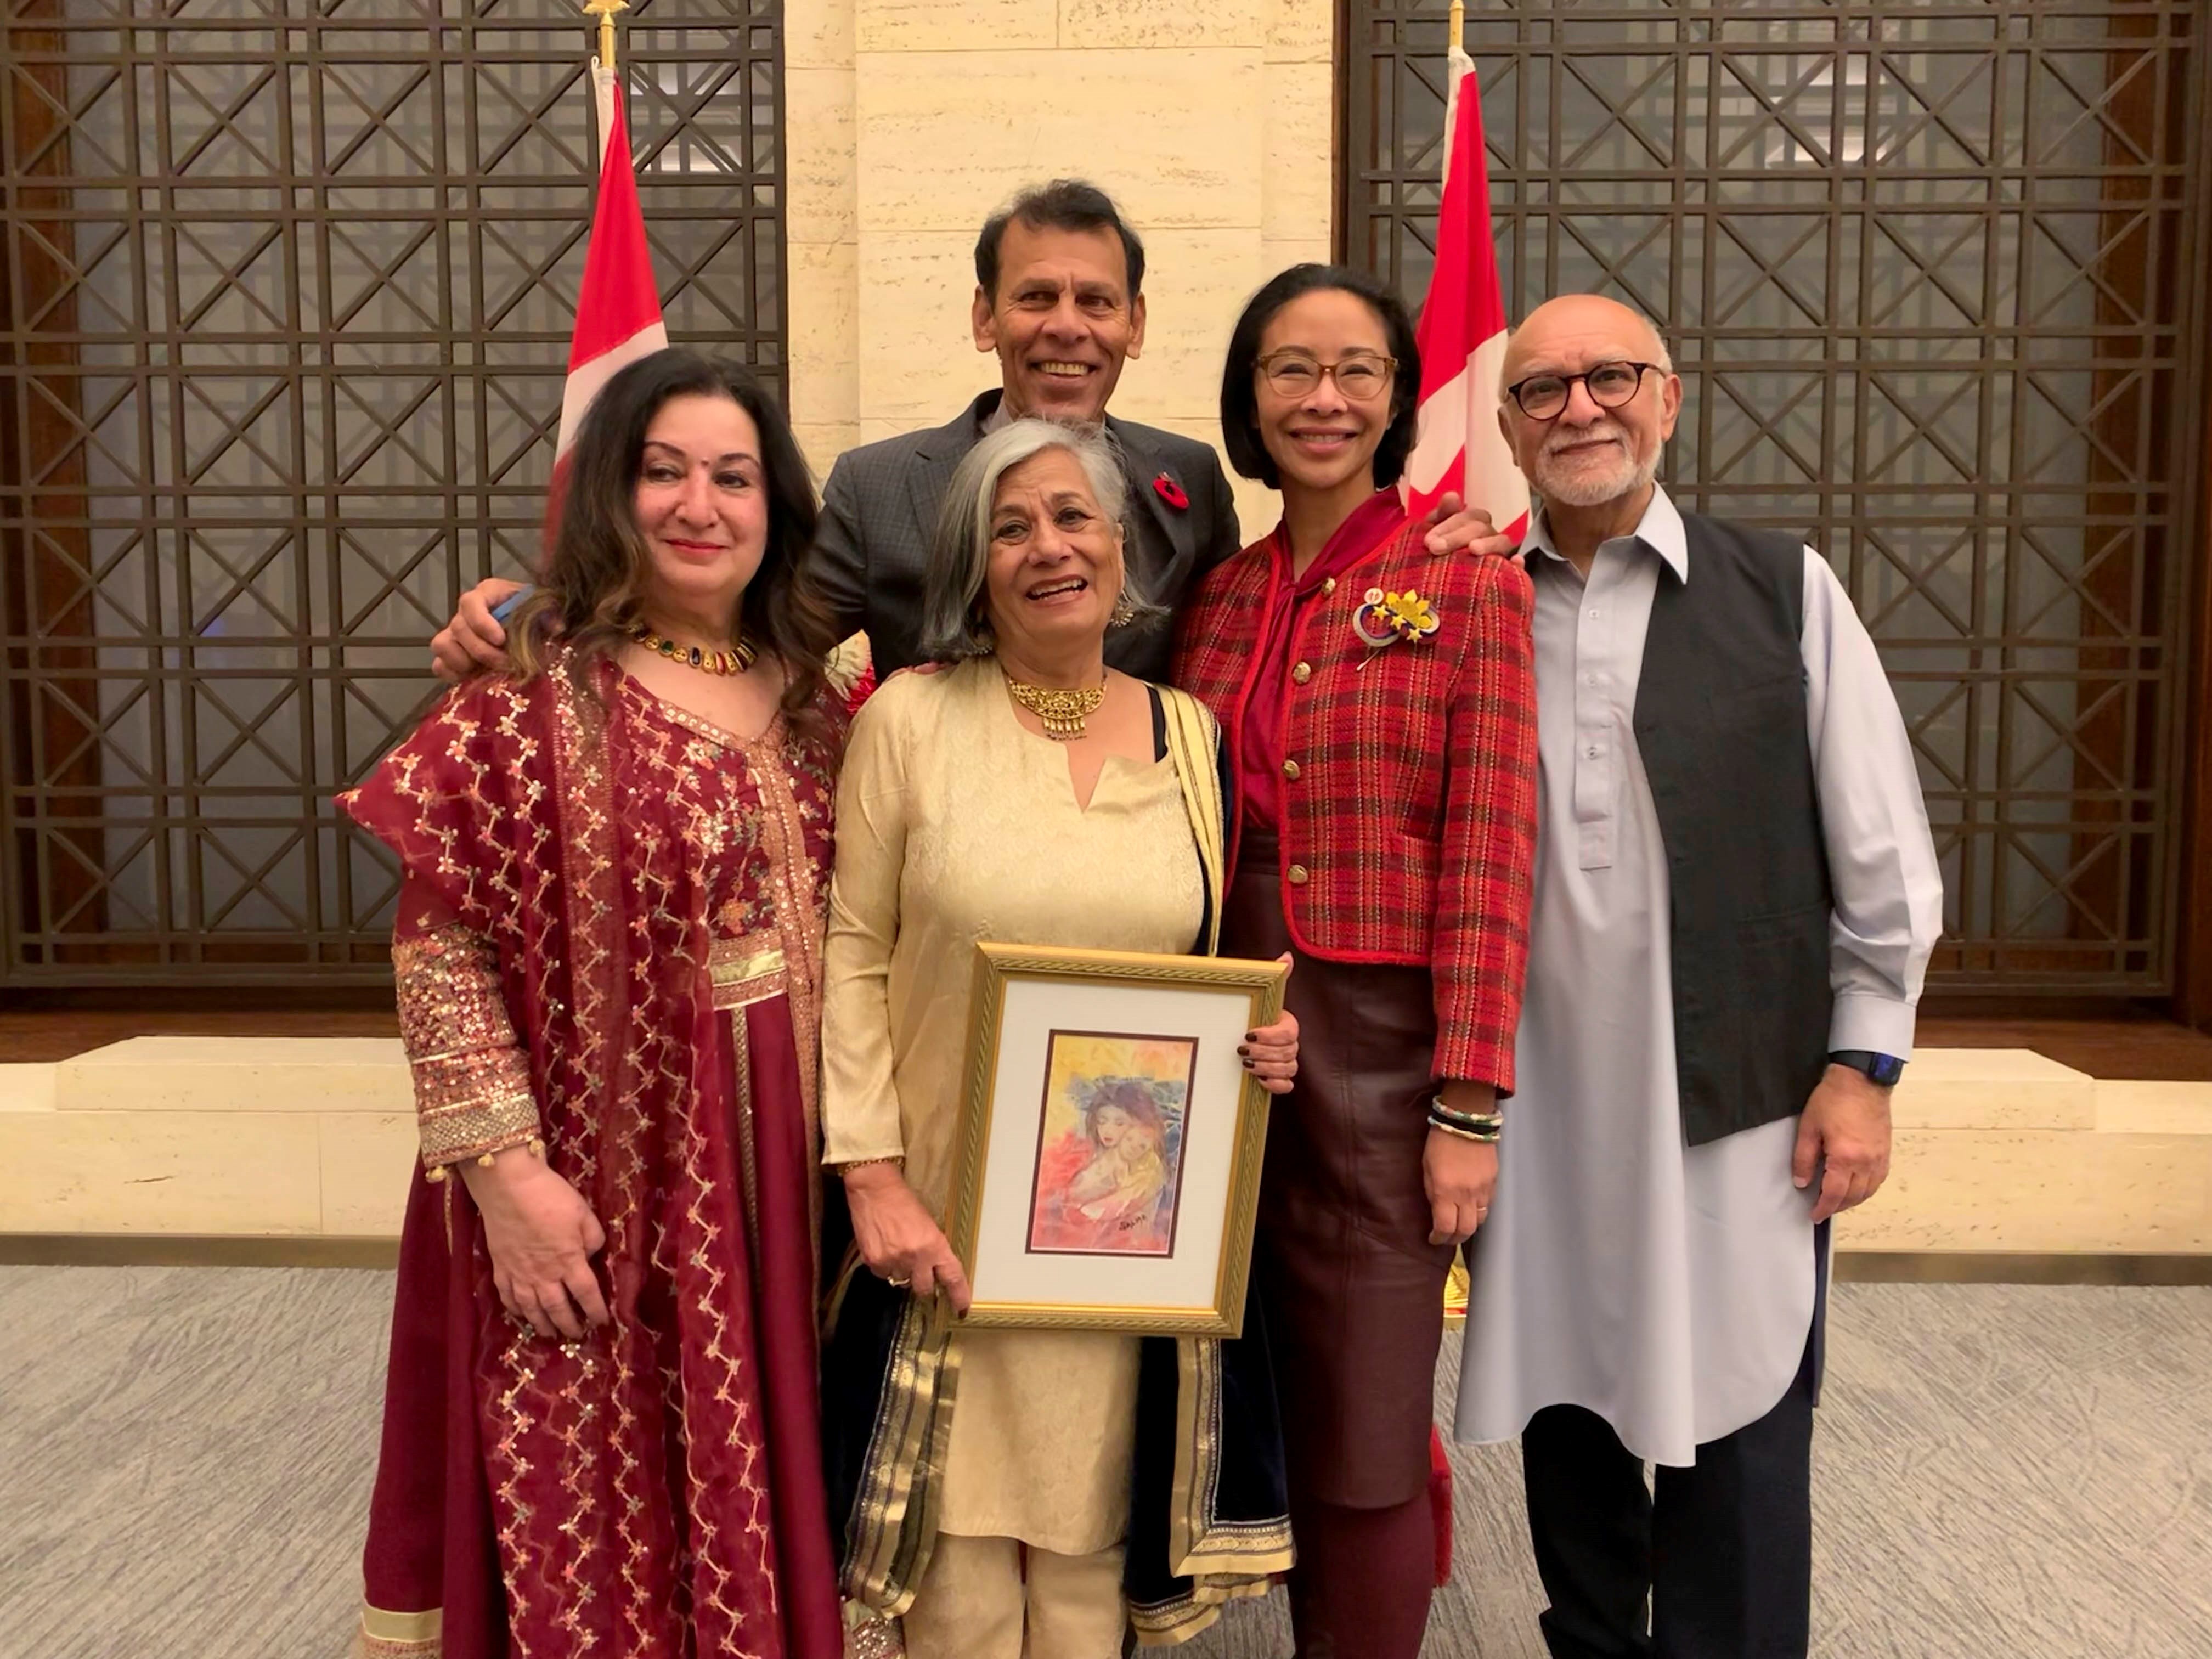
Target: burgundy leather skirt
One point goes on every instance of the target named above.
(1352, 1289)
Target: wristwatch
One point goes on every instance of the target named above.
(1884, 1069)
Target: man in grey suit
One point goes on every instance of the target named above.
(1059, 301)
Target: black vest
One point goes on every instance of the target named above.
(1720, 724)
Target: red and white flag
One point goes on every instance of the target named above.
(618, 308)
(1458, 446)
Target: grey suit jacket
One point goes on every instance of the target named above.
(879, 511)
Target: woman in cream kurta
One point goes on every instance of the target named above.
(995, 1494)
(961, 827)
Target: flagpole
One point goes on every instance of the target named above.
(606, 101)
(604, 10)
(1455, 68)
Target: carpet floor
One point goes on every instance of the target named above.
(2003, 1472)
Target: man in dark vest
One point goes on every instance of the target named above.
(1059, 301)
(1736, 895)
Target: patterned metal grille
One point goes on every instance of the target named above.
(286, 297)
(1934, 275)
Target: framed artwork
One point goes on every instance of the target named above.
(1111, 1140)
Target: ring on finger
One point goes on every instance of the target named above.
(898, 1284)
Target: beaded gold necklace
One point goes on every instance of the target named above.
(733, 661)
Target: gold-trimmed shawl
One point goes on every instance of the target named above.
(1224, 1560)
(1194, 743)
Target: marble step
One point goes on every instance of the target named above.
(1996, 1149)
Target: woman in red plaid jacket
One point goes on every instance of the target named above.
(1379, 705)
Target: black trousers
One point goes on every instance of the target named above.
(1724, 1549)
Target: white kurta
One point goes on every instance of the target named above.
(1669, 1289)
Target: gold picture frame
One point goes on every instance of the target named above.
(1110, 1142)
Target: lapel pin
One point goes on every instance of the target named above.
(1386, 618)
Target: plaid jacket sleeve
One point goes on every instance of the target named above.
(1481, 938)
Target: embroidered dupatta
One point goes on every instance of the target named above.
(640, 1493)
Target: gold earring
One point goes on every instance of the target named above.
(1124, 611)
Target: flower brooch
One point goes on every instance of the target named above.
(1170, 492)
(1385, 619)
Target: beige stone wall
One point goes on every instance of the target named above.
(907, 121)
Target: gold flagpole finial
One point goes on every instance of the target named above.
(604, 10)
(1458, 24)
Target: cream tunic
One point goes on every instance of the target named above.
(956, 825)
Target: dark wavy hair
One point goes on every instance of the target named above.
(1240, 397)
(1063, 205)
(593, 590)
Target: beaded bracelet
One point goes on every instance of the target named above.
(1478, 1121)
(1487, 1137)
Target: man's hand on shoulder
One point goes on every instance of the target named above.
(473, 642)
(1455, 527)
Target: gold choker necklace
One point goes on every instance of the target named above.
(734, 661)
(1062, 711)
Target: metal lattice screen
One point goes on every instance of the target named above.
(1934, 275)
(286, 293)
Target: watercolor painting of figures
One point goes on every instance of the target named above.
(1109, 1155)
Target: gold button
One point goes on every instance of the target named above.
(1290, 769)
(1302, 673)
(1328, 586)
(1297, 875)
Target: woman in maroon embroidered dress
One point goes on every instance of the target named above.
(601, 1425)
(1380, 709)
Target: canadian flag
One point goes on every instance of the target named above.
(618, 309)
(1457, 446)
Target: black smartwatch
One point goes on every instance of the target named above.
(1884, 1069)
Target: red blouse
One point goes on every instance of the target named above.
(1289, 597)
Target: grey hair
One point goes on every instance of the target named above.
(953, 624)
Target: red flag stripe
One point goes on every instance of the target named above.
(619, 297)
(1458, 447)
(619, 317)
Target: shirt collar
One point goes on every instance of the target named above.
(1660, 529)
(991, 414)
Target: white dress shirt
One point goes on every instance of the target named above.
(1669, 1289)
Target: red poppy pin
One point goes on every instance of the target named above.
(1170, 492)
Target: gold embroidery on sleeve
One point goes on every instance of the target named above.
(472, 1091)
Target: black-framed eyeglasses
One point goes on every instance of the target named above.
(1544, 396)
(1359, 376)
